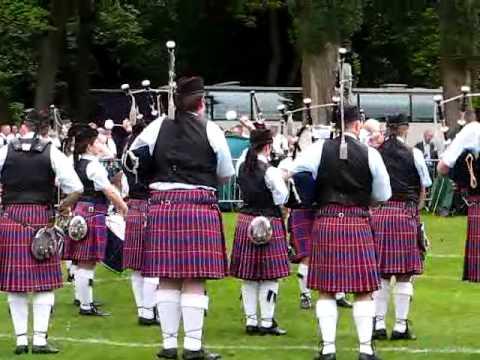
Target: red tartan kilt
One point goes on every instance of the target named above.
(395, 230)
(471, 268)
(300, 224)
(185, 237)
(135, 229)
(19, 270)
(343, 252)
(259, 262)
(93, 247)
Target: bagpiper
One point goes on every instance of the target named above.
(396, 226)
(349, 176)
(185, 243)
(28, 168)
(260, 261)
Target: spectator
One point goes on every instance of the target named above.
(5, 131)
(427, 146)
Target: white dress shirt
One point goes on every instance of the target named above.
(65, 174)
(274, 181)
(467, 139)
(96, 172)
(309, 160)
(216, 139)
(420, 165)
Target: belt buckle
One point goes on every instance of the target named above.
(341, 215)
(91, 209)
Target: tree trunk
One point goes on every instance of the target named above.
(455, 74)
(50, 54)
(318, 78)
(81, 97)
(5, 116)
(275, 43)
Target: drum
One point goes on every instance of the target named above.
(116, 234)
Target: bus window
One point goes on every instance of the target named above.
(378, 105)
(422, 106)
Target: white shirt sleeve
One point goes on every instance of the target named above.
(381, 190)
(3, 156)
(276, 184)
(309, 160)
(421, 168)
(467, 138)
(148, 136)
(66, 176)
(218, 142)
(98, 174)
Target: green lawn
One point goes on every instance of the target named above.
(444, 316)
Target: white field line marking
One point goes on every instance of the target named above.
(447, 350)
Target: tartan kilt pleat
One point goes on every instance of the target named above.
(395, 231)
(135, 230)
(185, 237)
(259, 262)
(19, 270)
(93, 247)
(300, 224)
(343, 252)
(471, 268)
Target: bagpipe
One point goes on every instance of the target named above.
(466, 172)
(439, 113)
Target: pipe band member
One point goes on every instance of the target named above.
(185, 243)
(467, 141)
(93, 206)
(28, 168)
(396, 226)
(136, 172)
(263, 191)
(343, 255)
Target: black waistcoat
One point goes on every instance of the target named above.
(256, 196)
(89, 192)
(183, 154)
(400, 164)
(27, 176)
(344, 182)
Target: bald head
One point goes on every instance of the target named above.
(372, 126)
(428, 136)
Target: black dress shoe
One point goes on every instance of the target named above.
(76, 302)
(252, 330)
(343, 302)
(44, 349)
(407, 335)
(272, 330)
(363, 356)
(200, 355)
(93, 311)
(70, 278)
(380, 334)
(168, 354)
(21, 349)
(147, 322)
(321, 356)
(305, 302)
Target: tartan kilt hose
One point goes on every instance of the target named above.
(19, 270)
(92, 248)
(135, 229)
(259, 262)
(395, 230)
(471, 268)
(185, 237)
(300, 224)
(343, 252)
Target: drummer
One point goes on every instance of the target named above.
(92, 206)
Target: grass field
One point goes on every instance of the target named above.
(445, 316)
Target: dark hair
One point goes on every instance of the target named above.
(83, 137)
(188, 103)
(251, 159)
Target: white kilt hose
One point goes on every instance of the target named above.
(343, 252)
(19, 270)
(395, 228)
(185, 236)
(259, 262)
